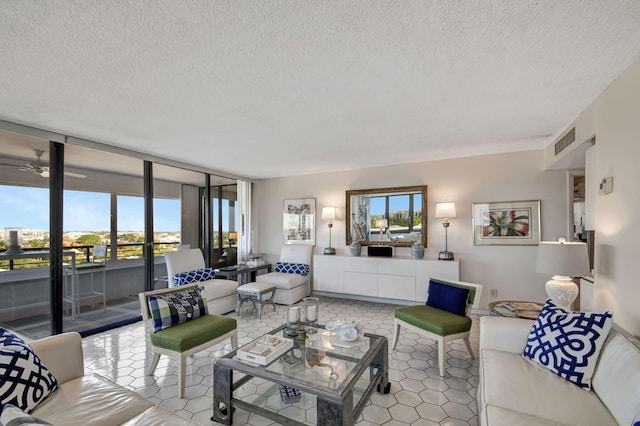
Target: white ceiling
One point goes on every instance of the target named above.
(281, 88)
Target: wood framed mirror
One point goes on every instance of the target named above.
(403, 207)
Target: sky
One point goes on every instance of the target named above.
(83, 211)
(396, 202)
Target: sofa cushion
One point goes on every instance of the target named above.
(25, 380)
(13, 416)
(91, 400)
(568, 343)
(499, 416)
(196, 275)
(292, 268)
(448, 297)
(512, 382)
(283, 280)
(617, 377)
(170, 309)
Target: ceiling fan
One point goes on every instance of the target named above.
(40, 169)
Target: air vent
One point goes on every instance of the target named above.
(565, 141)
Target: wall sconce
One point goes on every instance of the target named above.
(445, 211)
(329, 213)
(382, 224)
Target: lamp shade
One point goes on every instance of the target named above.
(569, 259)
(445, 210)
(328, 213)
(233, 235)
(381, 223)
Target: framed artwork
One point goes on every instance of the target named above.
(510, 223)
(298, 221)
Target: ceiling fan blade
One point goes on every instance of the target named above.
(75, 175)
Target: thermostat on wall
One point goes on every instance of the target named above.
(606, 185)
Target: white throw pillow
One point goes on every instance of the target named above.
(568, 343)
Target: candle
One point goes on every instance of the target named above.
(312, 313)
(294, 315)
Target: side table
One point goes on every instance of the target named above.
(515, 309)
(245, 274)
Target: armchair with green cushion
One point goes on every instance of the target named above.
(182, 326)
(444, 316)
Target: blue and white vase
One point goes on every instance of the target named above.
(417, 250)
(355, 248)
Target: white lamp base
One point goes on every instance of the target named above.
(562, 291)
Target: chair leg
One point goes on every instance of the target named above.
(104, 290)
(182, 372)
(396, 336)
(468, 345)
(154, 364)
(234, 341)
(441, 355)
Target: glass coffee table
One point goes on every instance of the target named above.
(328, 373)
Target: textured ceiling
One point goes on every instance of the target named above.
(280, 88)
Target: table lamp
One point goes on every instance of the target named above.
(564, 260)
(329, 213)
(382, 224)
(445, 211)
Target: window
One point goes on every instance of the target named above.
(403, 212)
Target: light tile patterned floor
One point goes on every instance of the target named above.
(418, 397)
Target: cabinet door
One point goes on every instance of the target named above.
(327, 273)
(361, 264)
(401, 287)
(360, 283)
(427, 269)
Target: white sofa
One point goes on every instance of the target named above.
(516, 391)
(290, 287)
(221, 295)
(90, 400)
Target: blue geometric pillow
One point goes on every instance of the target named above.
(194, 276)
(176, 308)
(25, 380)
(448, 297)
(568, 343)
(292, 268)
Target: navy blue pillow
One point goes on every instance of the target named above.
(448, 297)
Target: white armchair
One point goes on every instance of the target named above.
(291, 287)
(221, 295)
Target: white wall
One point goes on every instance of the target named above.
(505, 177)
(614, 118)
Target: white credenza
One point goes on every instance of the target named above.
(396, 278)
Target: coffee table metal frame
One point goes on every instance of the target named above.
(334, 407)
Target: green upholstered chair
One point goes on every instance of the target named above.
(439, 324)
(183, 340)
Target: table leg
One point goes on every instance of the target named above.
(335, 413)
(381, 361)
(222, 391)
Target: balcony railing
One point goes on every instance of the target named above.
(85, 254)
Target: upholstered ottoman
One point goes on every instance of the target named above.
(254, 292)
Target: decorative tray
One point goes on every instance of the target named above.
(264, 350)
